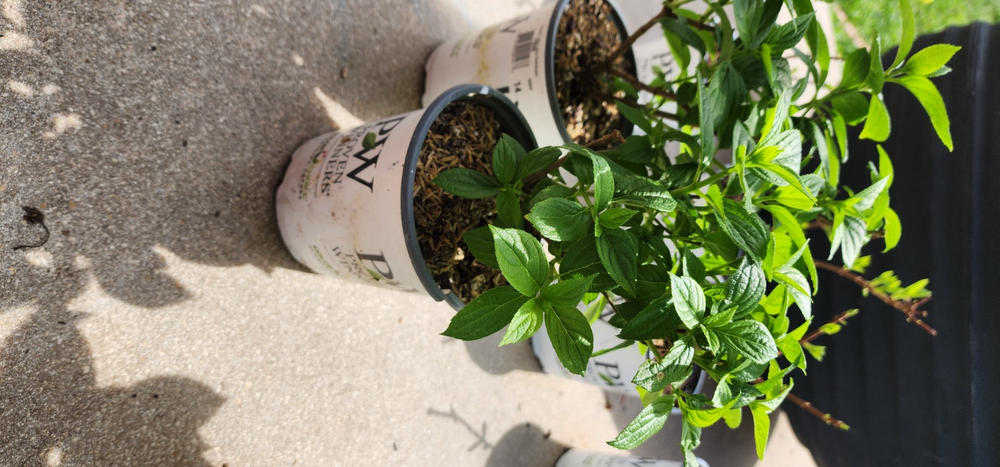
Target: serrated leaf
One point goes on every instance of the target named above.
(604, 183)
(746, 229)
(635, 116)
(486, 314)
(549, 192)
(571, 337)
(788, 34)
(526, 322)
(536, 160)
(849, 237)
(652, 322)
(864, 199)
(649, 422)
(467, 183)
(521, 259)
(560, 219)
(930, 59)
(480, 244)
(567, 293)
(508, 210)
(745, 287)
(688, 299)
(909, 31)
(930, 99)
(619, 253)
(505, 158)
(671, 370)
(750, 338)
(877, 126)
(798, 287)
(613, 218)
(893, 229)
(855, 69)
(643, 192)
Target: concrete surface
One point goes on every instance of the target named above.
(164, 323)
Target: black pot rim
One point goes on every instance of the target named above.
(511, 122)
(550, 62)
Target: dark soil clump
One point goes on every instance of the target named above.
(587, 34)
(463, 135)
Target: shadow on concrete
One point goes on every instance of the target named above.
(135, 126)
(493, 359)
(525, 444)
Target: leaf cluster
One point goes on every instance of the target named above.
(697, 232)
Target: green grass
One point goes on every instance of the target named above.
(882, 16)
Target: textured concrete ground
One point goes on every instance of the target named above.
(164, 323)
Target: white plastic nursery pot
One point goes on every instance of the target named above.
(347, 211)
(612, 371)
(517, 58)
(579, 458)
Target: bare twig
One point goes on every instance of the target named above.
(643, 86)
(607, 141)
(839, 319)
(627, 43)
(808, 407)
(910, 309)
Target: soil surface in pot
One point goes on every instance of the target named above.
(463, 135)
(587, 34)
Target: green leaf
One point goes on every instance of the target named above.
(526, 322)
(506, 154)
(688, 300)
(877, 126)
(745, 287)
(788, 34)
(706, 120)
(649, 421)
(551, 191)
(733, 418)
(567, 293)
(571, 337)
(746, 229)
(750, 338)
(467, 183)
(853, 106)
(508, 210)
(677, 27)
(893, 229)
(930, 99)
(619, 253)
(864, 199)
(652, 322)
(876, 75)
(798, 287)
(909, 31)
(635, 116)
(536, 160)
(855, 69)
(761, 428)
(692, 266)
(690, 439)
(487, 314)
(521, 259)
(480, 243)
(643, 192)
(849, 236)
(560, 219)
(671, 370)
(613, 218)
(604, 182)
(930, 59)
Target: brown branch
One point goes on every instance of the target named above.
(607, 141)
(627, 43)
(808, 407)
(839, 319)
(632, 103)
(911, 310)
(643, 86)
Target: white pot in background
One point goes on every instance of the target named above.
(578, 458)
(347, 211)
(517, 58)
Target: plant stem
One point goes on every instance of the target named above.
(627, 43)
(643, 86)
(839, 319)
(706, 182)
(808, 407)
(607, 141)
(909, 309)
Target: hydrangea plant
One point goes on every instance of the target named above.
(697, 232)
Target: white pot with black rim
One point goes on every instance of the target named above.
(345, 206)
(517, 57)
